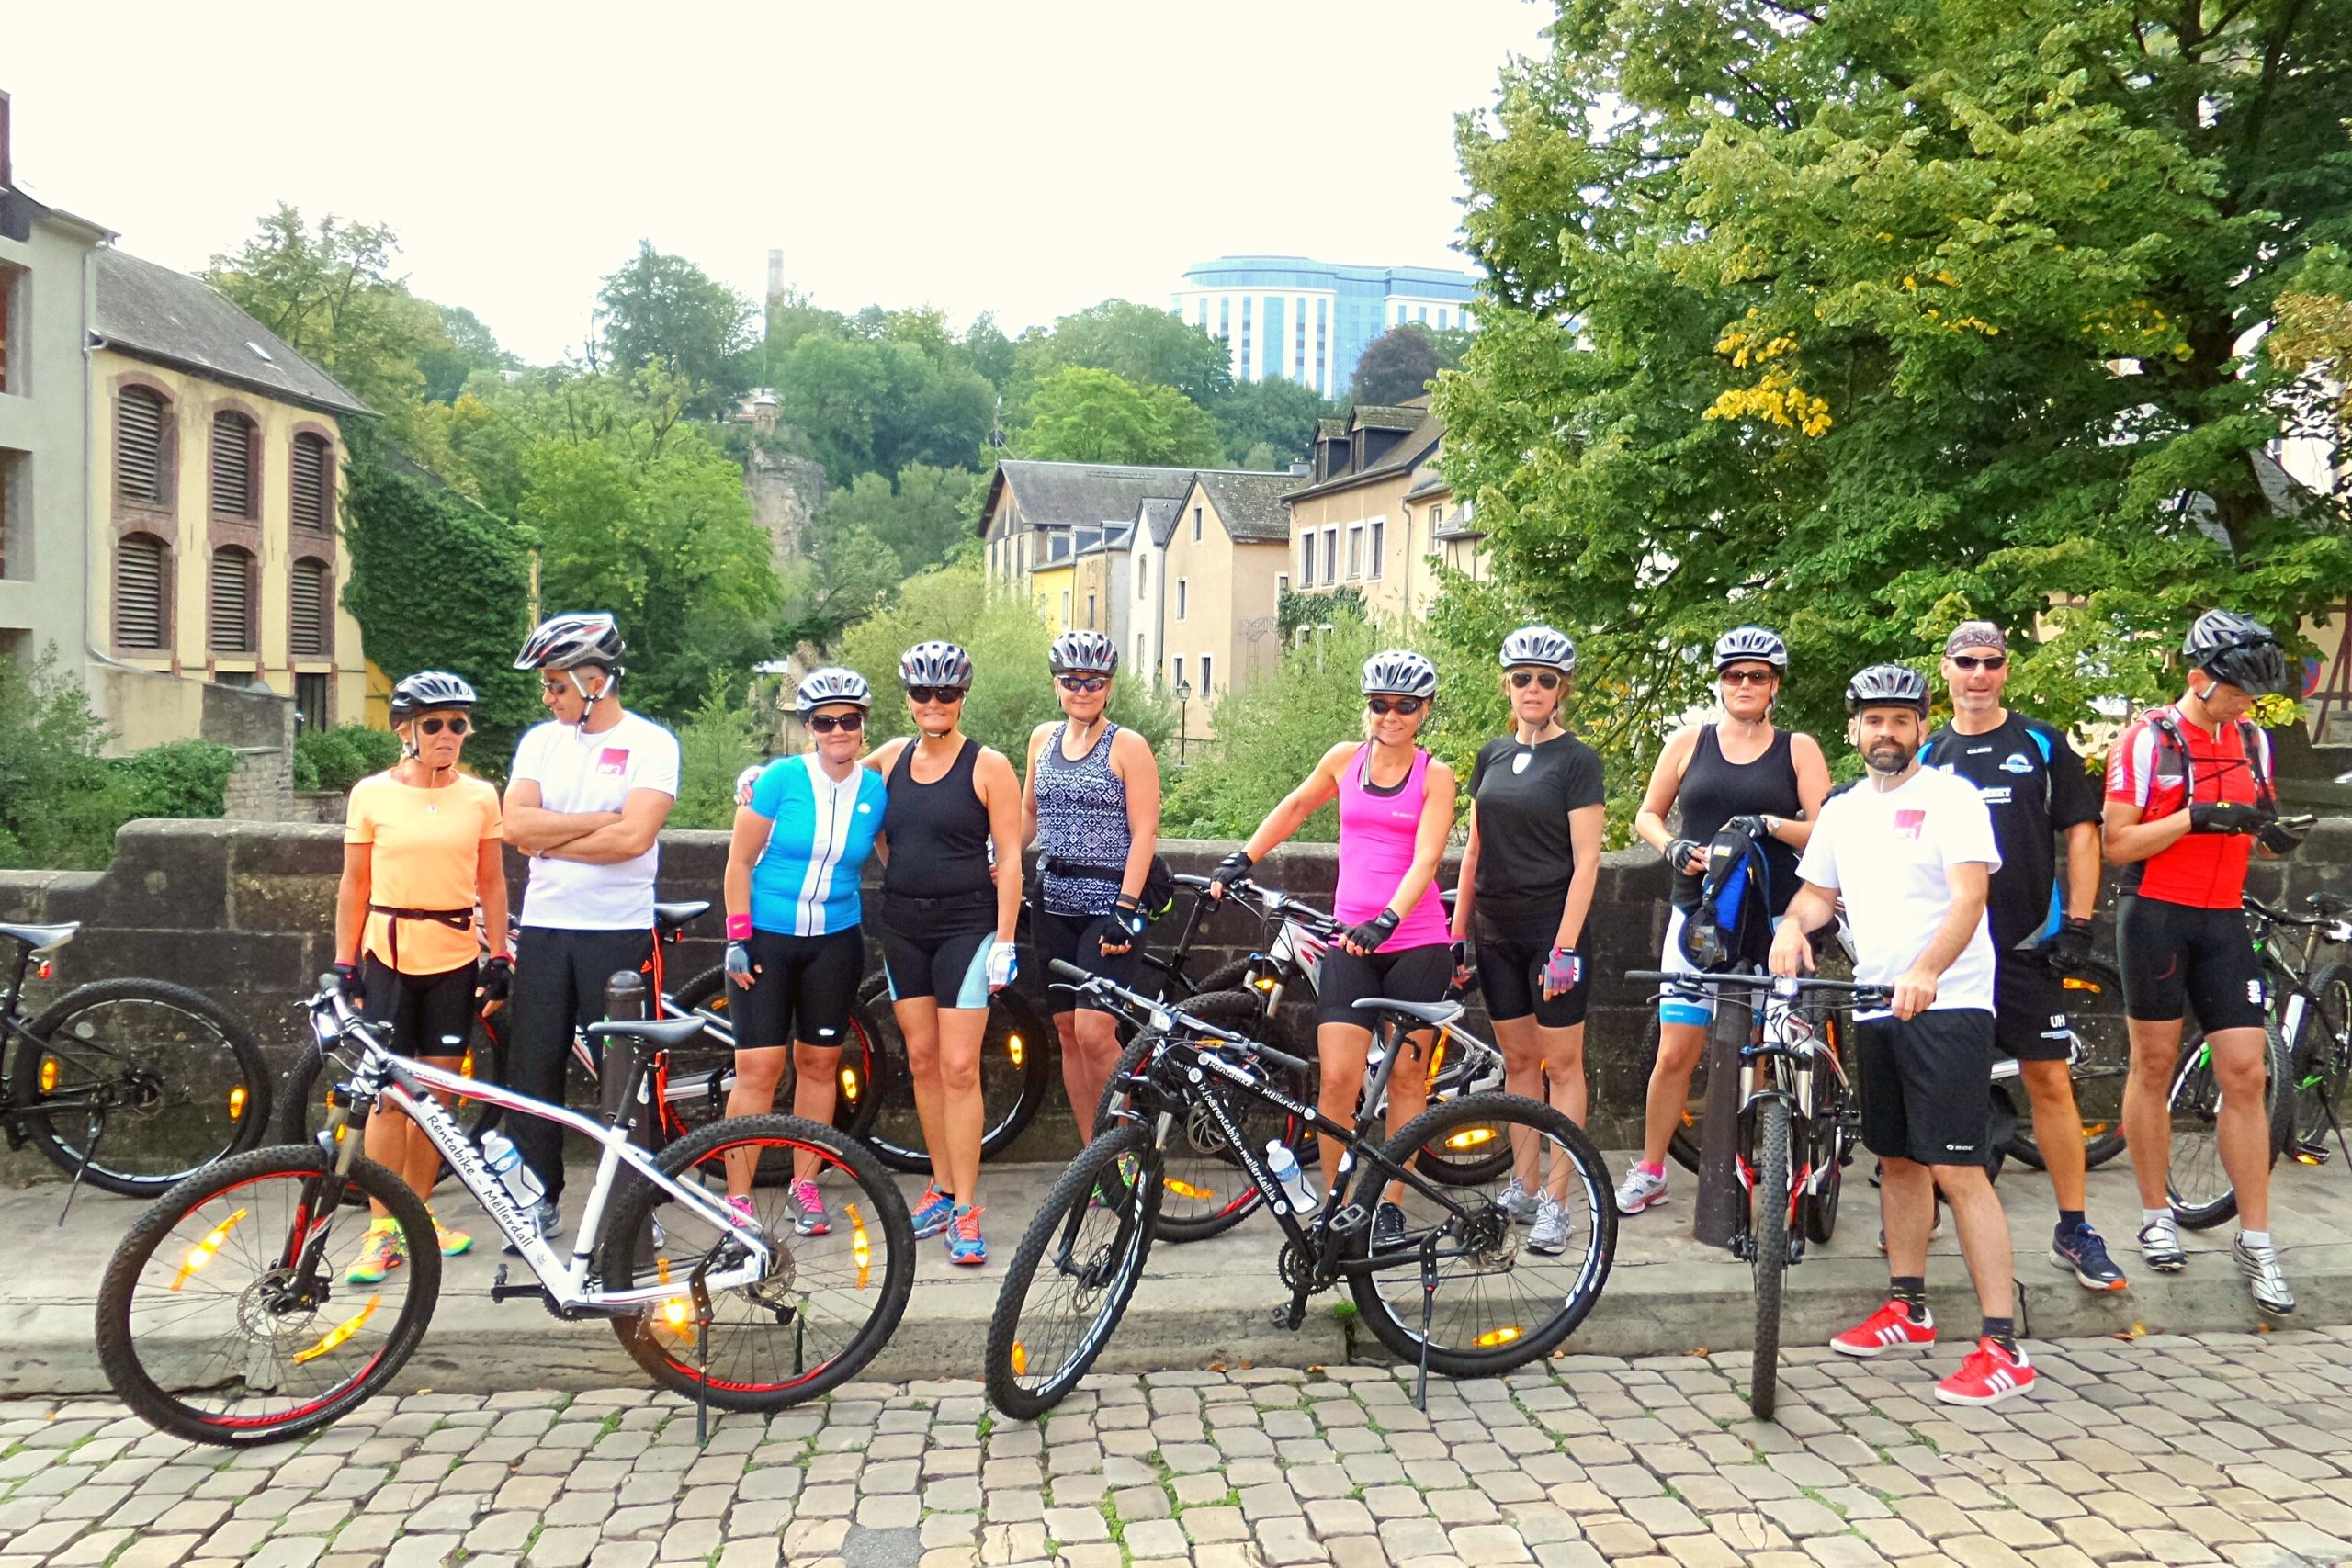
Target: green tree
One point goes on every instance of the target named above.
(1859, 321)
(1275, 413)
(925, 514)
(471, 348)
(1398, 366)
(873, 406)
(1080, 415)
(847, 571)
(1142, 343)
(666, 311)
(717, 741)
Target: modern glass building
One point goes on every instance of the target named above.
(1309, 321)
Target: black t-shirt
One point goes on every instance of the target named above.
(1525, 856)
(2035, 786)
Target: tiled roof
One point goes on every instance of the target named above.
(1063, 495)
(1402, 458)
(1250, 502)
(156, 313)
(1396, 416)
(1159, 513)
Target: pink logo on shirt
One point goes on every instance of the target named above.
(1907, 822)
(613, 761)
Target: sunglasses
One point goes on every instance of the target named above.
(826, 723)
(548, 685)
(1747, 677)
(1082, 683)
(1977, 660)
(436, 725)
(1408, 706)
(1523, 679)
(934, 693)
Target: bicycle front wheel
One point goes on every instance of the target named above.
(2195, 1179)
(824, 1309)
(2318, 1056)
(1504, 1294)
(134, 1083)
(1072, 1275)
(1012, 1079)
(2101, 1062)
(1768, 1220)
(228, 1314)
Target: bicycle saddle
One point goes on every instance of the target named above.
(664, 1034)
(669, 917)
(2328, 904)
(40, 937)
(1437, 1015)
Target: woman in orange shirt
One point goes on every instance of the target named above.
(421, 848)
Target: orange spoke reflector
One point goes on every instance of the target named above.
(1020, 1358)
(849, 1083)
(466, 1068)
(2077, 982)
(1184, 1189)
(860, 1245)
(1264, 982)
(1471, 1137)
(237, 1103)
(49, 1075)
(1012, 1043)
(1437, 1060)
(342, 1331)
(202, 1252)
(1494, 1337)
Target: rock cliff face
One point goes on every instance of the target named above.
(786, 493)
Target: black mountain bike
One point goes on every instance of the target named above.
(1445, 1279)
(129, 1084)
(2319, 1036)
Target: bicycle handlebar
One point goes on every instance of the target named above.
(1779, 985)
(1078, 979)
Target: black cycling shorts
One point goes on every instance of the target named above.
(2029, 1009)
(1925, 1086)
(802, 991)
(1078, 939)
(1510, 976)
(2176, 956)
(952, 970)
(1402, 974)
(428, 1015)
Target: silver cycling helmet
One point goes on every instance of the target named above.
(1399, 672)
(831, 684)
(1089, 651)
(1887, 685)
(430, 689)
(1545, 646)
(2238, 650)
(567, 641)
(1759, 643)
(936, 664)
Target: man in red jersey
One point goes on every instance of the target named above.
(2188, 794)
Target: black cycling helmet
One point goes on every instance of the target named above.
(936, 664)
(1399, 672)
(833, 685)
(1758, 643)
(1544, 646)
(429, 689)
(1887, 685)
(2238, 650)
(568, 641)
(1089, 651)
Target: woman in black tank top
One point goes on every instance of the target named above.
(951, 896)
(1738, 765)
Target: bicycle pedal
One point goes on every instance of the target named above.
(2309, 1154)
(1350, 1220)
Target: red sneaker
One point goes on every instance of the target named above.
(1989, 1373)
(1892, 1327)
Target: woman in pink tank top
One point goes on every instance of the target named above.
(1396, 809)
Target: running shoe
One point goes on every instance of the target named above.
(381, 1251)
(964, 1243)
(1387, 1226)
(1550, 1236)
(2260, 1267)
(809, 1210)
(740, 1202)
(547, 1219)
(1519, 1203)
(2160, 1245)
(932, 1211)
(453, 1244)
(1892, 1327)
(1642, 1188)
(1988, 1374)
(2080, 1249)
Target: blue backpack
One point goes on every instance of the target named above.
(1732, 927)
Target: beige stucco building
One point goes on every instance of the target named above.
(1224, 568)
(1377, 514)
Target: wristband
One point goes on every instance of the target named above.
(739, 927)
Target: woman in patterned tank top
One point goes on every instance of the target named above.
(1092, 807)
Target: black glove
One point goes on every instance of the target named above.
(1681, 850)
(1462, 957)
(1128, 914)
(1230, 870)
(1375, 930)
(1754, 826)
(497, 979)
(348, 981)
(2275, 839)
(2224, 817)
(2071, 948)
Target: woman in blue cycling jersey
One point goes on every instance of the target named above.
(795, 949)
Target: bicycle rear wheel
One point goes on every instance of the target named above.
(823, 1313)
(1768, 1210)
(135, 1083)
(2103, 1060)
(2318, 1056)
(225, 1316)
(2195, 1179)
(1071, 1276)
(1013, 1077)
(1497, 1302)
(702, 1071)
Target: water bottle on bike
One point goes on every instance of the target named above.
(522, 1183)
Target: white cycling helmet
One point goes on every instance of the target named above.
(936, 664)
(1544, 646)
(833, 685)
(1399, 672)
(1759, 643)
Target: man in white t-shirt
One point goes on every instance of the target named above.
(585, 800)
(1911, 851)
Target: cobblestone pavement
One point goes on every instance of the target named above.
(2234, 1447)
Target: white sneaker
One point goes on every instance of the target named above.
(2260, 1267)
(1518, 1202)
(2160, 1245)
(1640, 1190)
(1550, 1236)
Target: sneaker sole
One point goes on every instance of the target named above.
(1548, 1251)
(1652, 1201)
(459, 1250)
(2166, 1265)
(969, 1260)
(1952, 1397)
(925, 1233)
(2104, 1287)
(1873, 1352)
(821, 1227)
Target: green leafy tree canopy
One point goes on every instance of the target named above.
(1081, 415)
(665, 310)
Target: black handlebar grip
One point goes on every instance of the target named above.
(1064, 967)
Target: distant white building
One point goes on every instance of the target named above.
(1310, 321)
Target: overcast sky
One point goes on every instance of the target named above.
(1027, 158)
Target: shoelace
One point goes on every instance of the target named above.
(804, 1193)
(967, 1225)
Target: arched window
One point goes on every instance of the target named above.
(232, 600)
(312, 490)
(311, 634)
(142, 451)
(236, 488)
(142, 592)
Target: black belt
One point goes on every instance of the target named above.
(1048, 865)
(457, 919)
(979, 898)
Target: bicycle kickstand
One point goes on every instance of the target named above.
(1428, 1313)
(97, 1126)
(701, 1291)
